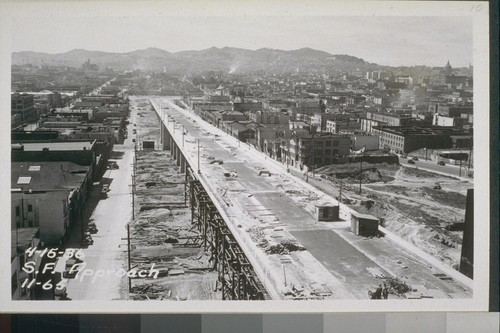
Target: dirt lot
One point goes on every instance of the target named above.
(161, 232)
(408, 202)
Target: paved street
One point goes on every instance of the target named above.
(448, 170)
(111, 215)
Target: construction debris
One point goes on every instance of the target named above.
(285, 247)
(161, 232)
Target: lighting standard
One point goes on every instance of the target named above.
(182, 136)
(199, 172)
(361, 170)
(460, 170)
(128, 255)
(288, 156)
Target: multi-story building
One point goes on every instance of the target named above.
(454, 110)
(406, 80)
(405, 139)
(318, 150)
(347, 125)
(373, 119)
(49, 196)
(268, 133)
(21, 240)
(366, 142)
(308, 107)
(23, 105)
(44, 101)
(269, 117)
(247, 106)
(319, 120)
(243, 131)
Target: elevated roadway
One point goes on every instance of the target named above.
(336, 263)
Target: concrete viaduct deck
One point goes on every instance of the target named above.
(256, 209)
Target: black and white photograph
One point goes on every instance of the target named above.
(173, 155)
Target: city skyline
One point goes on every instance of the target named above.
(430, 41)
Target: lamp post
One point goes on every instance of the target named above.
(340, 191)
(360, 175)
(460, 169)
(288, 156)
(361, 170)
(128, 256)
(199, 172)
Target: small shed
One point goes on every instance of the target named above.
(327, 213)
(364, 224)
(148, 145)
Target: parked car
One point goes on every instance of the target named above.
(91, 228)
(105, 188)
(415, 158)
(88, 240)
(411, 162)
(441, 163)
(113, 165)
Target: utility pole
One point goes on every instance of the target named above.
(313, 152)
(133, 180)
(129, 261)
(460, 170)
(470, 155)
(361, 170)
(199, 172)
(284, 273)
(360, 176)
(133, 203)
(288, 156)
(340, 191)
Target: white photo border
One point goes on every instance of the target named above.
(478, 10)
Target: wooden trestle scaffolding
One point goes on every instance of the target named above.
(236, 278)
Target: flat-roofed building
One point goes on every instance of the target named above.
(80, 152)
(269, 117)
(49, 196)
(23, 105)
(405, 139)
(319, 149)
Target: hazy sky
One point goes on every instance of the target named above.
(384, 40)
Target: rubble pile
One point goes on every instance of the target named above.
(397, 286)
(313, 291)
(284, 247)
(147, 292)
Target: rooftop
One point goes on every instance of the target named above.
(417, 130)
(46, 176)
(59, 146)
